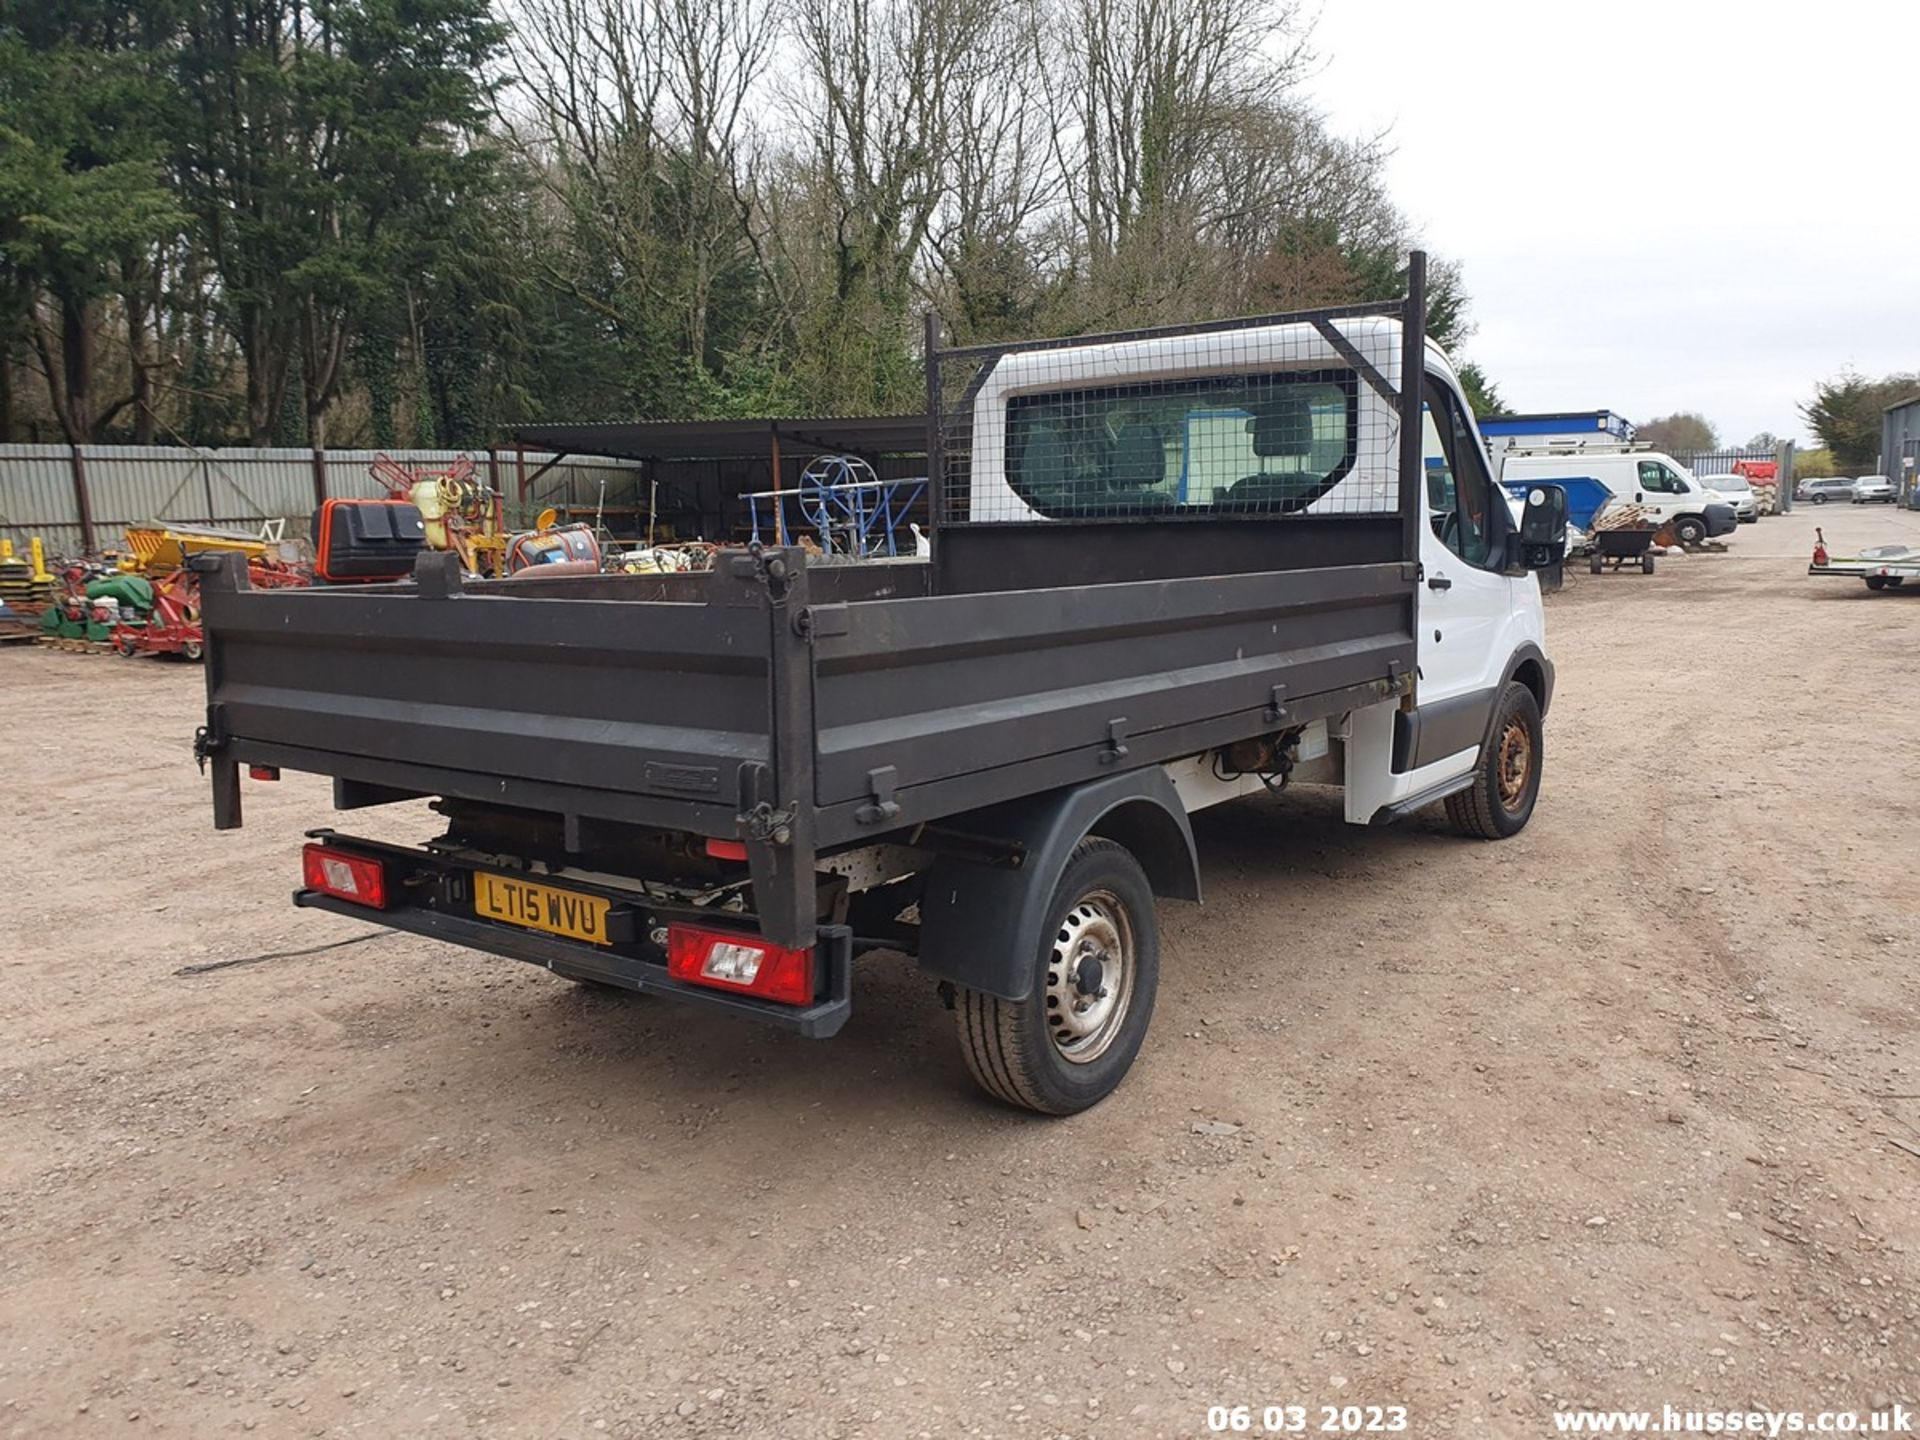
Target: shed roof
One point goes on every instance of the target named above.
(734, 439)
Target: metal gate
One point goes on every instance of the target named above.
(1728, 462)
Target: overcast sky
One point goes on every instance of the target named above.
(1689, 205)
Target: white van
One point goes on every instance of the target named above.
(1648, 478)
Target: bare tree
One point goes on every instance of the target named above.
(638, 115)
(886, 90)
(990, 247)
(1147, 89)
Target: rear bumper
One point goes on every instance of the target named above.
(432, 901)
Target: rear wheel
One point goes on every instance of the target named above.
(1096, 971)
(1507, 784)
(1819, 499)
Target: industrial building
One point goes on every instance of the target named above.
(1900, 445)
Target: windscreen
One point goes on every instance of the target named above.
(1272, 442)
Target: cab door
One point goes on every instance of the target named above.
(1466, 605)
(1656, 487)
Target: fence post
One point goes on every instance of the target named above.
(936, 456)
(1783, 490)
(82, 500)
(319, 477)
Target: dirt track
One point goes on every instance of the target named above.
(1599, 1116)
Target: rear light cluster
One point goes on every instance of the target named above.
(345, 877)
(746, 964)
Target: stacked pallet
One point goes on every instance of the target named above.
(1766, 497)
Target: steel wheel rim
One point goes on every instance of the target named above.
(1515, 763)
(1090, 974)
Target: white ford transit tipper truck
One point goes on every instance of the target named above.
(1169, 568)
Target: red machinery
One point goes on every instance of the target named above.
(174, 626)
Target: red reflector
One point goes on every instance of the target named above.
(727, 849)
(264, 772)
(730, 960)
(344, 876)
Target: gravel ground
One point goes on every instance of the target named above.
(1604, 1115)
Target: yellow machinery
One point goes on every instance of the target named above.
(461, 515)
(158, 549)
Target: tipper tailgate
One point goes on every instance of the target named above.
(621, 708)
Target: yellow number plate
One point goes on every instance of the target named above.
(541, 907)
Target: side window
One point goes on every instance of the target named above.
(1258, 443)
(1657, 477)
(1459, 487)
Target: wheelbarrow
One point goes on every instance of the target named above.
(1614, 548)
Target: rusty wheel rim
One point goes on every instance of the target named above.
(1516, 763)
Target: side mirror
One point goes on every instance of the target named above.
(1543, 516)
(1542, 541)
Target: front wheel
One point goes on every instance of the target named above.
(1690, 530)
(1507, 783)
(1876, 582)
(1096, 970)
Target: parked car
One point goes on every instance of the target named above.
(1737, 491)
(1819, 492)
(1873, 490)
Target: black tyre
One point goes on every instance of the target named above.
(1819, 499)
(1646, 563)
(1507, 785)
(1876, 582)
(1096, 973)
(1690, 530)
(1593, 562)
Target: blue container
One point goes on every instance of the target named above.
(1585, 495)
